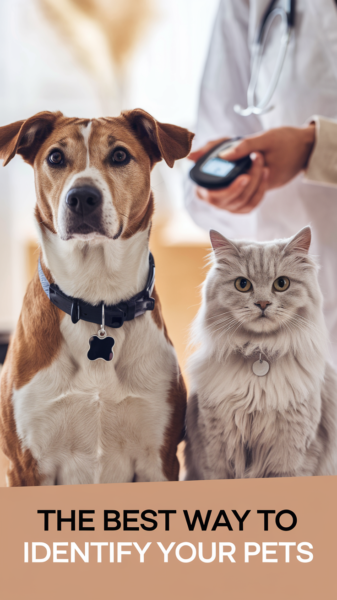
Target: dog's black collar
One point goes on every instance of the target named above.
(115, 314)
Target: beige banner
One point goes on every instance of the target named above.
(292, 560)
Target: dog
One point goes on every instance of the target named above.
(91, 390)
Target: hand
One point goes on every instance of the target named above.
(279, 155)
(244, 193)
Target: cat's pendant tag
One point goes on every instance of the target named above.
(100, 345)
(260, 367)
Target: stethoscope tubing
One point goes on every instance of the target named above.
(288, 18)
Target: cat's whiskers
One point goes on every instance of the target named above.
(290, 321)
(292, 314)
(220, 314)
(230, 325)
(298, 320)
(305, 321)
(302, 328)
(227, 320)
(284, 324)
(218, 320)
(239, 325)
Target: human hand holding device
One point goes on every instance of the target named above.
(278, 156)
(235, 197)
(213, 172)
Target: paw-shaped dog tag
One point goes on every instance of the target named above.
(101, 347)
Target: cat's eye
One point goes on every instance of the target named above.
(281, 284)
(242, 284)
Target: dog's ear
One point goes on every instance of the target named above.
(161, 140)
(26, 137)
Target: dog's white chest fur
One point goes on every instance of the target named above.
(97, 422)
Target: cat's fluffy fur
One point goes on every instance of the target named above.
(282, 424)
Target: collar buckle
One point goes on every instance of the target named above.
(116, 320)
(143, 305)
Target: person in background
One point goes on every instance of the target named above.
(255, 206)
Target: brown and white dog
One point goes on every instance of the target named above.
(63, 418)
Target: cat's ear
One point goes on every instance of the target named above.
(300, 243)
(221, 243)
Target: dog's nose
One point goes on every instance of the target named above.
(83, 200)
(262, 304)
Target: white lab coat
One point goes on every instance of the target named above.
(307, 86)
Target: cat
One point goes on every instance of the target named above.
(261, 309)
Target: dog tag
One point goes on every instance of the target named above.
(100, 345)
(260, 367)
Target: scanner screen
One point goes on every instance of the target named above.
(217, 167)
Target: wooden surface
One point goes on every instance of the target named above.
(180, 269)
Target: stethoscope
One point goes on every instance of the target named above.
(288, 23)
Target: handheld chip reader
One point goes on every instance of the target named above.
(213, 172)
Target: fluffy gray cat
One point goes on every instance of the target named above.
(263, 395)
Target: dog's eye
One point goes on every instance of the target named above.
(281, 284)
(242, 284)
(56, 158)
(120, 156)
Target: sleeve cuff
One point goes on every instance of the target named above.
(322, 165)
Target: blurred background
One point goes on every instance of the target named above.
(92, 58)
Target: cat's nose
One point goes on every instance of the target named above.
(262, 304)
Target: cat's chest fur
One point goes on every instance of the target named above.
(232, 382)
(243, 413)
